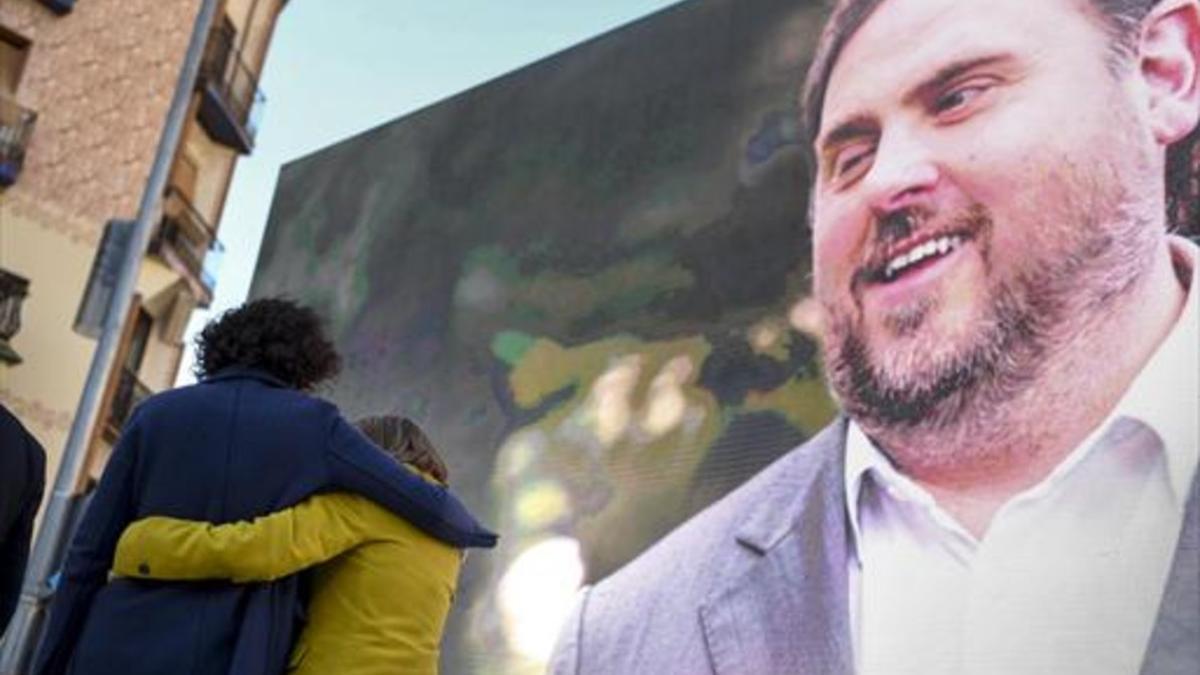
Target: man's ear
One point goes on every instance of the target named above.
(1169, 60)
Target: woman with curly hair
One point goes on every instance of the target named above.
(244, 442)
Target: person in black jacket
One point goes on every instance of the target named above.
(22, 480)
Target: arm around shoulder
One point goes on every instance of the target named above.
(355, 464)
(267, 548)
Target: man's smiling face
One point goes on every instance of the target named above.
(983, 189)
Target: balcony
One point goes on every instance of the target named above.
(60, 7)
(230, 100)
(186, 242)
(16, 128)
(128, 394)
(13, 290)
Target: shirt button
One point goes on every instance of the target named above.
(143, 568)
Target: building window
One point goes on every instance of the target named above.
(16, 121)
(129, 390)
(14, 52)
(230, 99)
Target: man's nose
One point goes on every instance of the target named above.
(904, 173)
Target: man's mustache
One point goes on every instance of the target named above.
(900, 229)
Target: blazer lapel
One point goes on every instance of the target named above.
(787, 613)
(1175, 643)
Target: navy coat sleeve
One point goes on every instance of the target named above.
(90, 557)
(355, 464)
(14, 544)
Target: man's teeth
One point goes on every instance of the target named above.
(939, 246)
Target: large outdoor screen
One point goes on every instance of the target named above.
(589, 282)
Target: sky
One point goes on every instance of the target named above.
(335, 69)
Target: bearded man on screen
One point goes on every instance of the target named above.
(1012, 331)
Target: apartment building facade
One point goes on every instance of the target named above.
(85, 86)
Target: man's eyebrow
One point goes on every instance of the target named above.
(857, 126)
(862, 124)
(951, 72)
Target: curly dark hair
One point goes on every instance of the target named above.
(279, 336)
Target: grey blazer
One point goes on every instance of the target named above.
(756, 585)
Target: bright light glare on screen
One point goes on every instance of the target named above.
(667, 404)
(608, 407)
(536, 595)
(805, 316)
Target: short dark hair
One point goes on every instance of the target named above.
(1121, 19)
(275, 335)
(405, 442)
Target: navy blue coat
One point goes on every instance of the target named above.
(22, 479)
(236, 446)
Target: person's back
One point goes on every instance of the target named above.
(381, 590)
(22, 480)
(245, 442)
(224, 450)
(380, 608)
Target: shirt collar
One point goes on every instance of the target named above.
(1175, 368)
(861, 456)
(245, 372)
(1165, 393)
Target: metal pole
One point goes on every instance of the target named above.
(25, 628)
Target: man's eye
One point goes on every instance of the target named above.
(957, 100)
(849, 160)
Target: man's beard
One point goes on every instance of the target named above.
(1028, 316)
(999, 363)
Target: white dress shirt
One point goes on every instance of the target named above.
(1070, 574)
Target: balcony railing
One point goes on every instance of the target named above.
(128, 394)
(187, 242)
(16, 128)
(60, 7)
(13, 290)
(230, 98)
